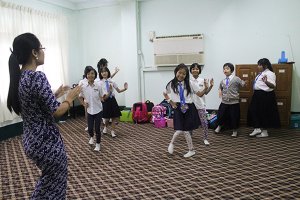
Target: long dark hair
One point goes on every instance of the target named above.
(265, 63)
(102, 63)
(174, 81)
(20, 55)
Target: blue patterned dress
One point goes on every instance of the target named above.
(41, 138)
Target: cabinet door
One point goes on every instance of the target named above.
(247, 73)
(244, 104)
(283, 79)
(282, 105)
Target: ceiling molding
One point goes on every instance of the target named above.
(81, 4)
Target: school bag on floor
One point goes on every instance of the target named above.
(139, 113)
(169, 109)
(158, 112)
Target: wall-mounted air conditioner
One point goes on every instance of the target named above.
(173, 50)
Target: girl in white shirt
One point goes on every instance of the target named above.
(110, 106)
(91, 96)
(179, 93)
(199, 102)
(263, 111)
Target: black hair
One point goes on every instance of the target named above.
(104, 69)
(265, 63)
(20, 55)
(230, 65)
(102, 63)
(88, 69)
(174, 81)
(194, 65)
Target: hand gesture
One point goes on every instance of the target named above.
(73, 93)
(117, 69)
(86, 104)
(125, 85)
(205, 83)
(265, 79)
(212, 82)
(61, 90)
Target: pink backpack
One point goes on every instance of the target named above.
(158, 112)
(139, 112)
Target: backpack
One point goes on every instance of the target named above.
(169, 109)
(139, 112)
(150, 105)
(158, 111)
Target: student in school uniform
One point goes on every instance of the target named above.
(84, 81)
(91, 96)
(199, 102)
(263, 112)
(229, 109)
(111, 108)
(179, 94)
(103, 63)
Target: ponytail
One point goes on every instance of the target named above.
(13, 103)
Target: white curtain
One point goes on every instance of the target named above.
(50, 28)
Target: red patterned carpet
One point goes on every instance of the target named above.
(136, 165)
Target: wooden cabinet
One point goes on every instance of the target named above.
(283, 89)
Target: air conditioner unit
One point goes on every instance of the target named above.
(173, 50)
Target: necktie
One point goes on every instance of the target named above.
(181, 94)
(183, 106)
(107, 87)
(227, 82)
(256, 79)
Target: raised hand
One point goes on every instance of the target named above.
(212, 82)
(126, 85)
(61, 90)
(73, 93)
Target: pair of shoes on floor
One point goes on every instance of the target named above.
(97, 148)
(86, 129)
(171, 148)
(218, 129)
(91, 141)
(255, 132)
(263, 134)
(113, 134)
(206, 142)
(234, 134)
(189, 154)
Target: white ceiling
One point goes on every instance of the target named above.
(82, 4)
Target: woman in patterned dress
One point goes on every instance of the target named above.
(31, 97)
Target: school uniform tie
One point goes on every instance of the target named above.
(227, 81)
(256, 79)
(183, 106)
(107, 87)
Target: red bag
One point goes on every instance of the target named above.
(139, 113)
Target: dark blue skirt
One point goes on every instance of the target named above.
(263, 111)
(186, 121)
(111, 108)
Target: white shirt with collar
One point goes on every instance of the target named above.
(111, 82)
(188, 98)
(199, 101)
(92, 95)
(83, 81)
(259, 84)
